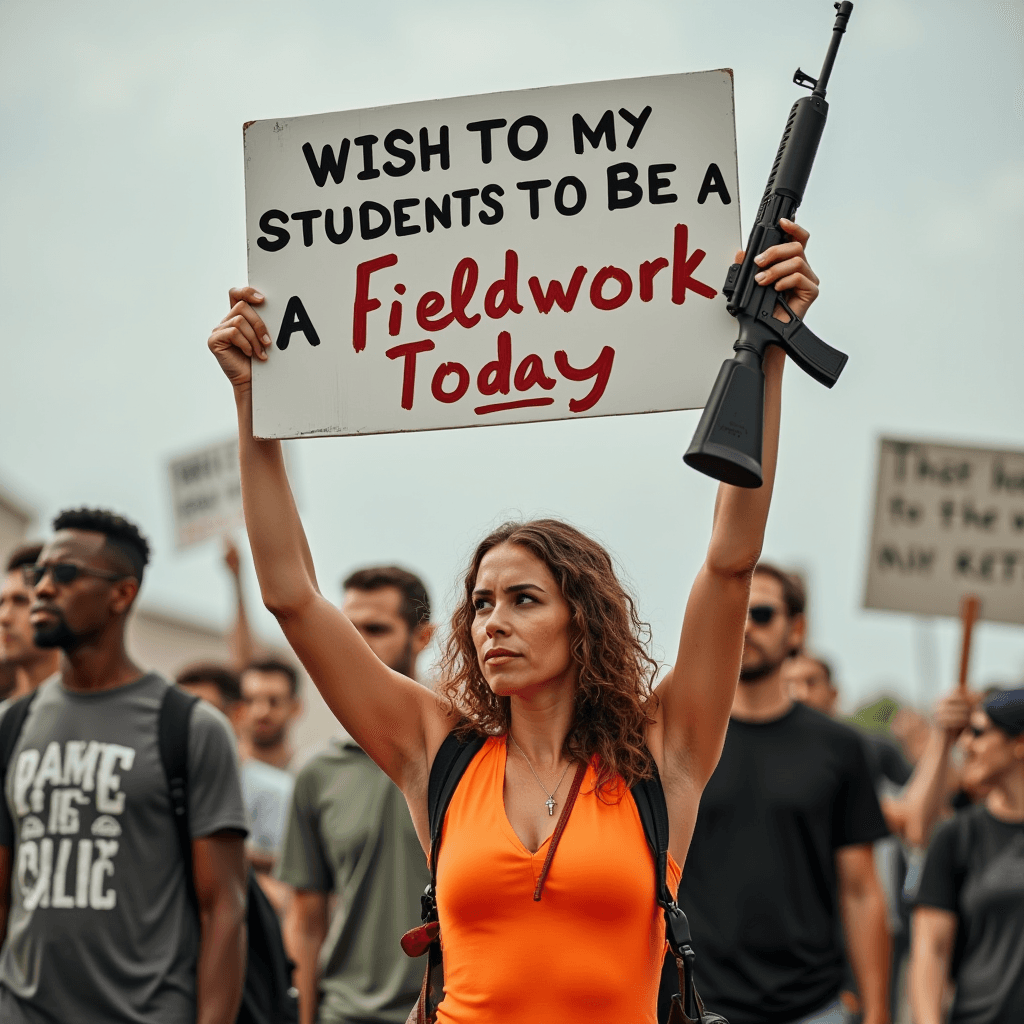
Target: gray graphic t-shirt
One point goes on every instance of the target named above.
(100, 926)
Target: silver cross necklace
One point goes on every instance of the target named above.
(550, 802)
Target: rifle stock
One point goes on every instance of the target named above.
(727, 442)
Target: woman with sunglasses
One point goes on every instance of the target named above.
(547, 659)
(968, 923)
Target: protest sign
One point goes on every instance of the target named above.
(543, 254)
(206, 493)
(949, 522)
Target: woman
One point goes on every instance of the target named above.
(546, 658)
(969, 919)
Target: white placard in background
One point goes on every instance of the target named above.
(949, 521)
(532, 255)
(206, 493)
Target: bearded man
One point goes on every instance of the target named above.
(350, 836)
(782, 847)
(97, 918)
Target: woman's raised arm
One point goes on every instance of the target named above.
(396, 721)
(696, 696)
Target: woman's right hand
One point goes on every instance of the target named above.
(952, 712)
(239, 336)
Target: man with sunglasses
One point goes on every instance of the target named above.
(781, 855)
(95, 915)
(27, 664)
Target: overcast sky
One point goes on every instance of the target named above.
(121, 225)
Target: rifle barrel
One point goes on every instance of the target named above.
(838, 29)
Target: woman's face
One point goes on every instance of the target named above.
(990, 752)
(521, 625)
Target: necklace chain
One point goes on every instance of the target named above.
(550, 803)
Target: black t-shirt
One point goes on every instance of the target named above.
(885, 760)
(759, 884)
(975, 869)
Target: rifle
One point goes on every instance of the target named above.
(727, 442)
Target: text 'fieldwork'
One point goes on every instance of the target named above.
(466, 304)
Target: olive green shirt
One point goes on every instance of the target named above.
(349, 833)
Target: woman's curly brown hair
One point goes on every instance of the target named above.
(608, 643)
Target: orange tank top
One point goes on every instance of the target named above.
(591, 950)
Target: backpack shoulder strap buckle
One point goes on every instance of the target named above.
(678, 930)
(428, 904)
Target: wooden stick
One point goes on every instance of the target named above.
(969, 608)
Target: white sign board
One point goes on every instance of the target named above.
(949, 521)
(206, 493)
(531, 255)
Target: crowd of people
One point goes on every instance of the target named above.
(826, 874)
(799, 884)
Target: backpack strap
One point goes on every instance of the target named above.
(446, 772)
(11, 725)
(10, 729)
(172, 737)
(649, 796)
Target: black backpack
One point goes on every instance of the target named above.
(267, 994)
(446, 772)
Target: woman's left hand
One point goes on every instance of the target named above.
(785, 266)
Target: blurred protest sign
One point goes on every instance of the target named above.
(206, 493)
(530, 255)
(949, 522)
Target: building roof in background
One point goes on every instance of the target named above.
(16, 507)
